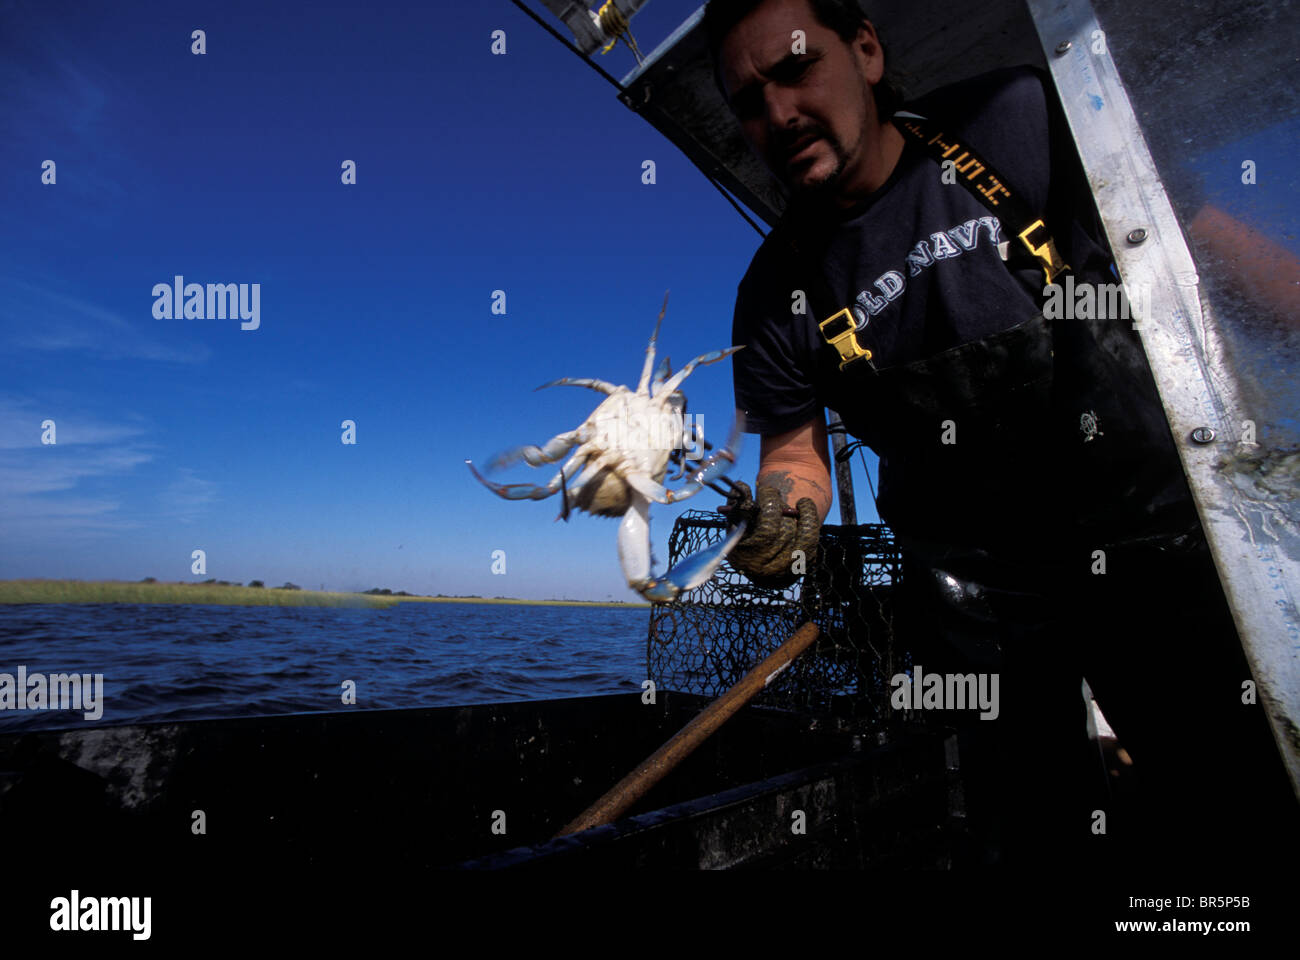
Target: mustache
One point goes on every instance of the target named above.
(785, 140)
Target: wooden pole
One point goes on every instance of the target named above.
(634, 786)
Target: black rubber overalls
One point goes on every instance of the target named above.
(1061, 450)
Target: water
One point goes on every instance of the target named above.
(178, 662)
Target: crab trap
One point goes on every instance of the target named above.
(713, 635)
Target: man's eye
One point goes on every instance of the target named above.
(797, 69)
(747, 104)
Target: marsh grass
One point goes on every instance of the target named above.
(119, 591)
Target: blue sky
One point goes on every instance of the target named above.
(474, 173)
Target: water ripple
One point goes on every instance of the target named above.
(198, 662)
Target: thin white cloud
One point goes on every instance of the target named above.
(26, 520)
(43, 487)
(36, 318)
(53, 470)
(20, 426)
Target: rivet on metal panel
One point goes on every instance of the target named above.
(1203, 435)
(1063, 47)
(1137, 236)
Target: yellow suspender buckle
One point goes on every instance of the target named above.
(840, 332)
(1046, 251)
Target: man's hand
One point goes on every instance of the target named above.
(767, 552)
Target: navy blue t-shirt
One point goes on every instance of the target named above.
(925, 267)
(918, 260)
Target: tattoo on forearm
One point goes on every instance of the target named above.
(780, 479)
(783, 482)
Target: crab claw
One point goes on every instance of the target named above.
(691, 572)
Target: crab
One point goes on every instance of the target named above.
(623, 452)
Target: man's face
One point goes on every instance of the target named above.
(809, 116)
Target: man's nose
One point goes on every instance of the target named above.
(782, 109)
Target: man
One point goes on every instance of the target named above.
(1026, 465)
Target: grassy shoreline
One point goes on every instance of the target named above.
(121, 591)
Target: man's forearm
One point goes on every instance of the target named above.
(796, 480)
(797, 463)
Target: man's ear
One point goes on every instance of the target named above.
(866, 45)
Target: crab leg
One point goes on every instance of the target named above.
(536, 456)
(522, 491)
(634, 543)
(643, 387)
(713, 356)
(662, 373)
(599, 385)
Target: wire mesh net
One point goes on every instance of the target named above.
(712, 636)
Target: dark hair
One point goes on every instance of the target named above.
(842, 16)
